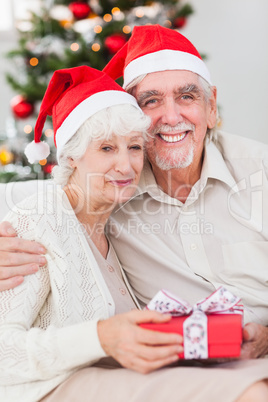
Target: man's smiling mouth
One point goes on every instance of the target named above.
(173, 138)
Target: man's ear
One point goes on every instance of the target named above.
(212, 108)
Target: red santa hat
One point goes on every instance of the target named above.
(72, 96)
(153, 48)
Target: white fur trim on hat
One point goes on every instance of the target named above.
(165, 60)
(86, 109)
(36, 151)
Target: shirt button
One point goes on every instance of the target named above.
(122, 291)
(110, 268)
(193, 246)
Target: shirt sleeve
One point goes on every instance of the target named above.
(30, 353)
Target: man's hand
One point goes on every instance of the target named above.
(138, 348)
(18, 257)
(255, 341)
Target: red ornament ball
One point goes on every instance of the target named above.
(48, 168)
(80, 9)
(21, 107)
(114, 42)
(179, 22)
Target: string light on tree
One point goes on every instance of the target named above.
(107, 18)
(28, 129)
(49, 132)
(95, 47)
(33, 61)
(126, 29)
(6, 156)
(139, 13)
(115, 10)
(98, 29)
(43, 162)
(74, 47)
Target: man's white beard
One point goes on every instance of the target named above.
(174, 160)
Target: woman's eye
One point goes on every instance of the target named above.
(136, 147)
(106, 149)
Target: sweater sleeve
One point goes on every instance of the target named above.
(30, 353)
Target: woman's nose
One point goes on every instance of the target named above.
(123, 164)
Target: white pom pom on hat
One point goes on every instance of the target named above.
(153, 48)
(36, 151)
(72, 96)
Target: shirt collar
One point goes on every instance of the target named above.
(214, 166)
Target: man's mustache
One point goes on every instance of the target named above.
(166, 128)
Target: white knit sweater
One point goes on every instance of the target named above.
(48, 324)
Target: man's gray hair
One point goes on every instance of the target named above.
(118, 119)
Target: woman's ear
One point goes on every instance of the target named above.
(72, 163)
(212, 108)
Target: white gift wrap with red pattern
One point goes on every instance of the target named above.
(222, 301)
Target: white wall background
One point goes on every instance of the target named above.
(234, 36)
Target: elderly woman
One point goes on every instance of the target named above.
(59, 320)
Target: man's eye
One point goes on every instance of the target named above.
(150, 101)
(187, 97)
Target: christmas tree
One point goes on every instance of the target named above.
(67, 34)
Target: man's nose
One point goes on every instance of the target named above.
(171, 113)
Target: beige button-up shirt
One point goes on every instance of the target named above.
(217, 237)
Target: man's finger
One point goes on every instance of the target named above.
(18, 259)
(22, 270)
(248, 332)
(25, 246)
(6, 229)
(11, 283)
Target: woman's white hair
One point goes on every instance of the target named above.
(118, 119)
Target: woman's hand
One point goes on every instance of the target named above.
(18, 257)
(138, 348)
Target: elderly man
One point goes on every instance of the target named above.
(198, 220)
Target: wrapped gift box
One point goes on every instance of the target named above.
(224, 332)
